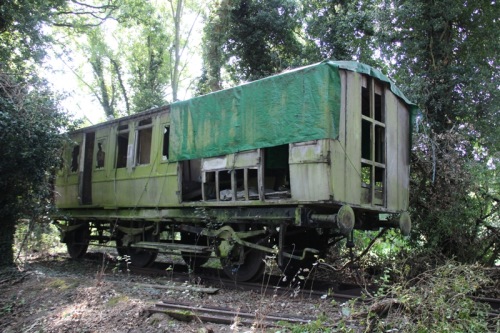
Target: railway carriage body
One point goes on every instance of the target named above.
(280, 166)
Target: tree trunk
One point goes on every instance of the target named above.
(7, 231)
(177, 15)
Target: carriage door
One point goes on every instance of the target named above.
(86, 187)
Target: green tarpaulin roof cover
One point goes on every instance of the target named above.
(295, 106)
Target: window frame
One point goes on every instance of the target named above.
(145, 124)
(121, 130)
(374, 166)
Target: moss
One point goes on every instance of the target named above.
(186, 316)
(62, 284)
(115, 300)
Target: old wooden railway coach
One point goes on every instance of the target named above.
(283, 166)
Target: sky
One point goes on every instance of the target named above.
(78, 102)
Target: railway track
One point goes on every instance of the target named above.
(269, 286)
(227, 316)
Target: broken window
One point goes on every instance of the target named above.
(74, 158)
(101, 154)
(373, 155)
(122, 146)
(249, 175)
(143, 147)
(166, 143)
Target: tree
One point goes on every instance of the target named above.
(251, 40)
(21, 39)
(30, 143)
(340, 30)
(30, 119)
(445, 53)
(108, 82)
(140, 57)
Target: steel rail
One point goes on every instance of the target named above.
(225, 315)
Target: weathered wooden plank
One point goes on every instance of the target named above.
(392, 143)
(338, 147)
(403, 174)
(352, 157)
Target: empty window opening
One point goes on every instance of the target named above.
(101, 154)
(166, 143)
(366, 175)
(379, 144)
(366, 137)
(88, 154)
(251, 175)
(365, 101)
(143, 146)
(191, 180)
(378, 192)
(231, 185)
(379, 114)
(74, 158)
(277, 172)
(226, 184)
(122, 148)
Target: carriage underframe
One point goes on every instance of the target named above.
(241, 238)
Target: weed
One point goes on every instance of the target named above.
(122, 261)
(7, 308)
(434, 301)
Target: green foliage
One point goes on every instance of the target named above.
(127, 74)
(251, 39)
(340, 30)
(22, 40)
(434, 301)
(140, 60)
(33, 238)
(445, 52)
(30, 122)
(455, 200)
(30, 142)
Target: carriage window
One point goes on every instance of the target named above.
(122, 146)
(373, 154)
(166, 143)
(143, 147)
(74, 158)
(100, 155)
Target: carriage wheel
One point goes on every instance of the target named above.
(194, 260)
(139, 257)
(251, 269)
(77, 241)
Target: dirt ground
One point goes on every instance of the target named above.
(57, 294)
